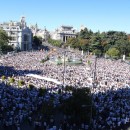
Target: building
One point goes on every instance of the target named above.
(44, 33)
(63, 33)
(21, 35)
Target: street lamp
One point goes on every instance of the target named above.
(64, 71)
(64, 63)
(95, 69)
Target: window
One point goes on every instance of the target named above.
(13, 38)
(25, 37)
(12, 33)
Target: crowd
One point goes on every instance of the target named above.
(110, 89)
(111, 94)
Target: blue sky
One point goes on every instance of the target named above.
(102, 15)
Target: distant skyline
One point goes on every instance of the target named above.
(97, 15)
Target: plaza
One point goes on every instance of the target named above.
(112, 81)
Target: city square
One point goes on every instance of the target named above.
(65, 65)
(109, 80)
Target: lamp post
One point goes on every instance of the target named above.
(95, 69)
(91, 109)
(95, 77)
(64, 71)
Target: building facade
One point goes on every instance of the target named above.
(21, 35)
(44, 33)
(63, 33)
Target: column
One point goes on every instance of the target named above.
(65, 39)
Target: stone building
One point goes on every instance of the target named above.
(21, 35)
(44, 33)
(63, 33)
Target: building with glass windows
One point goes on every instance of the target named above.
(43, 33)
(21, 35)
(63, 33)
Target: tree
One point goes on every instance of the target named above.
(4, 40)
(37, 41)
(85, 34)
(84, 44)
(6, 48)
(123, 46)
(73, 42)
(112, 52)
(78, 106)
(97, 52)
(11, 80)
(55, 42)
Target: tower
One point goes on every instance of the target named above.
(22, 21)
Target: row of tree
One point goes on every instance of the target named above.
(113, 43)
(55, 42)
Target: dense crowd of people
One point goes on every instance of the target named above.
(110, 89)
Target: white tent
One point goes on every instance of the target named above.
(44, 78)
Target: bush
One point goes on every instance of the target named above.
(7, 48)
(44, 60)
(3, 77)
(11, 80)
(115, 57)
(21, 83)
(97, 52)
(31, 86)
(42, 91)
(128, 58)
(68, 88)
(129, 55)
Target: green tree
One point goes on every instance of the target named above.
(42, 91)
(79, 105)
(3, 77)
(31, 86)
(55, 42)
(11, 80)
(6, 48)
(97, 52)
(113, 52)
(84, 44)
(4, 40)
(85, 34)
(21, 83)
(73, 42)
(123, 46)
(37, 41)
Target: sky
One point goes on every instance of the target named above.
(97, 15)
